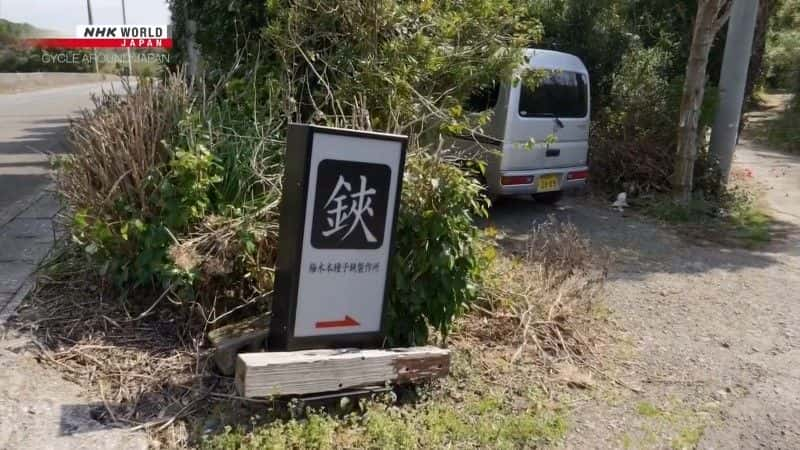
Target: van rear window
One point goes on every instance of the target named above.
(562, 94)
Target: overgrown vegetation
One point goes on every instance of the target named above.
(542, 298)
(188, 208)
(440, 259)
(535, 326)
(783, 48)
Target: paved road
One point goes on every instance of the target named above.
(32, 126)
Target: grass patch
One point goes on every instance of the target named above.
(474, 423)
(688, 437)
(671, 425)
(647, 409)
(751, 225)
(736, 218)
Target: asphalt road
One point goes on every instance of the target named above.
(32, 127)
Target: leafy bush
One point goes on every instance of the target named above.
(438, 259)
(163, 196)
(114, 182)
(633, 137)
(206, 224)
(783, 48)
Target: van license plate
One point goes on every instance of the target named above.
(547, 183)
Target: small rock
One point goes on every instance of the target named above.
(211, 425)
(719, 395)
(710, 406)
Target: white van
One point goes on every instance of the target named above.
(555, 114)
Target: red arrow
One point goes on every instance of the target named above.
(347, 322)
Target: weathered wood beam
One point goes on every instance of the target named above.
(248, 335)
(313, 371)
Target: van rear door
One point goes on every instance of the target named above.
(555, 113)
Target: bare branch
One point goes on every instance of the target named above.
(723, 14)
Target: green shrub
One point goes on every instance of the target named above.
(782, 57)
(633, 137)
(206, 221)
(439, 258)
(116, 179)
(164, 195)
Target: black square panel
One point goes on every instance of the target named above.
(350, 205)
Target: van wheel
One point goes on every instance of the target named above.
(548, 198)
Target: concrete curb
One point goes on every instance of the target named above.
(43, 208)
(20, 206)
(10, 309)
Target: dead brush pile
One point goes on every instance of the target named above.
(173, 193)
(118, 144)
(542, 302)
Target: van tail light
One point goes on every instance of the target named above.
(578, 175)
(515, 180)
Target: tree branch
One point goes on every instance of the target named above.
(723, 14)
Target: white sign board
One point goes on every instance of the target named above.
(333, 266)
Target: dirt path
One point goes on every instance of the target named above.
(710, 346)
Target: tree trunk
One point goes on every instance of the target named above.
(706, 24)
(765, 10)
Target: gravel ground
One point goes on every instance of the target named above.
(709, 342)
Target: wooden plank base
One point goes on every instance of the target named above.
(314, 371)
(248, 335)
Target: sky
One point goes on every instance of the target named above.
(64, 15)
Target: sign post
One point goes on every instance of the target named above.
(341, 194)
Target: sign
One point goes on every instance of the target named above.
(341, 192)
(110, 37)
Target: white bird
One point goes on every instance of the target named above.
(621, 201)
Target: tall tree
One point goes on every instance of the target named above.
(711, 16)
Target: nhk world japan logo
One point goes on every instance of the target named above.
(111, 36)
